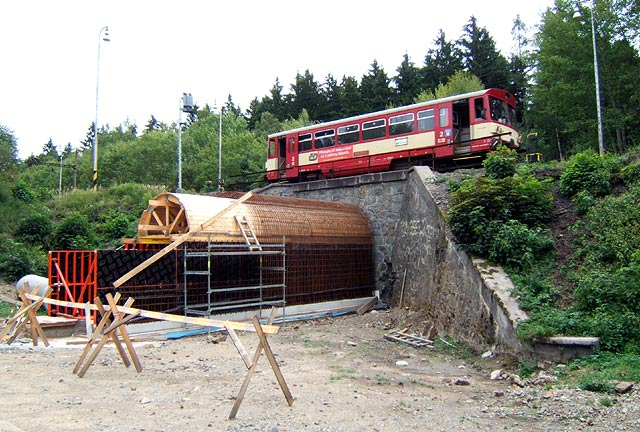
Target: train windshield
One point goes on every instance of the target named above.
(501, 111)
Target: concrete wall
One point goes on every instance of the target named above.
(417, 264)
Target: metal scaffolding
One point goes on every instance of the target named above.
(227, 277)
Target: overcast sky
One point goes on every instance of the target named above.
(160, 49)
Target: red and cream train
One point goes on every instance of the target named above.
(449, 132)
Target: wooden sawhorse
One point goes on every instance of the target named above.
(108, 330)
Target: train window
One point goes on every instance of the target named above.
(325, 138)
(373, 129)
(348, 134)
(480, 112)
(513, 120)
(444, 117)
(426, 120)
(498, 110)
(401, 124)
(304, 142)
(272, 148)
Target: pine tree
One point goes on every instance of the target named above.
(376, 93)
(351, 97)
(306, 95)
(481, 58)
(440, 63)
(408, 81)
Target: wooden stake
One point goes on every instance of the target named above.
(114, 338)
(272, 361)
(250, 372)
(263, 345)
(404, 278)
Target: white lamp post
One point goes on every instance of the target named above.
(186, 105)
(220, 151)
(596, 70)
(101, 38)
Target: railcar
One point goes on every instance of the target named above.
(449, 132)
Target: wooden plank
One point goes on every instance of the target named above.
(181, 239)
(161, 316)
(177, 219)
(154, 227)
(272, 361)
(368, 305)
(8, 299)
(243, 352)
(158, 203)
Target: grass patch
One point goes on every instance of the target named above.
(6, 309)
(456, 349)
(341, 372)
(599, 372)
(313, 343)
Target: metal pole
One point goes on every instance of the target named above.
(60, 178)
(95, 124)
(179, 188)
(597, 78)
(220, 152)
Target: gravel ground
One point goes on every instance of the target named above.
(342, 372)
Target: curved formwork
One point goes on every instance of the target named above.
(262, 251)
(270, 217)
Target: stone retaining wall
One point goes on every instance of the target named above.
(418, 265)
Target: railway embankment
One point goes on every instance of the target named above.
(418, 264)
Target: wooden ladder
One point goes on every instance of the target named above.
(247, 233)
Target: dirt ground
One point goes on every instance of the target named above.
(342, 372)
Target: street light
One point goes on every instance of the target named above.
(220, 151)
(101, 38)
(186, 106)
(596, 71)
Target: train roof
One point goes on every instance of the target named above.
(389, 111)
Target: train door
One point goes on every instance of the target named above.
(481, 130)
(461, 127)
(444, 131)
(282, 156)
(292, 156)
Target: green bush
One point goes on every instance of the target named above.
(481, 206)
(22, 192)
(548, 321)
(115, 226)
(500, 163)
(15, 260)
(534, 289)
(73, 232)
(518, 246)
(35, 230)
(608, 235)
(586, 171)
(583, 201)
(631, 174)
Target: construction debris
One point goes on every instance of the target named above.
(410, 339)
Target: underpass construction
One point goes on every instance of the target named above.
(327, 244)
